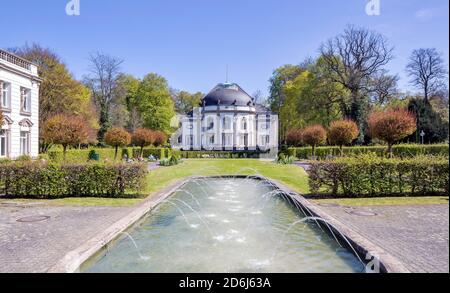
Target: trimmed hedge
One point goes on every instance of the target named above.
(217, 155)
(368, 175)
(106, 154)
(401, 151)
(42, 180)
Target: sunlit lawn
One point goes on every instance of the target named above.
(290, 175)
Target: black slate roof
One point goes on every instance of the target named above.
(227, 94)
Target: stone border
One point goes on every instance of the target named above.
(74, 259)
(388, 263)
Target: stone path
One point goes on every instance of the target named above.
(416, 235)
(35, 247)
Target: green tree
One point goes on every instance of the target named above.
(278, 82)
(155, 103)
(429, 121)
(185, 101)
(59, 92)
(124, 108)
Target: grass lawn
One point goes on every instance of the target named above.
(385, 201)
(290, 175)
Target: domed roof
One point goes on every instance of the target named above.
(227, 94)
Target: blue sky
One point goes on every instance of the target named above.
(190, 42)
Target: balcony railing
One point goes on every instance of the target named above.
(15, 60)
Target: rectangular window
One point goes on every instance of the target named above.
(212, 139)
(24, 143)
(6, 96)
(3, 143)
(25, 100)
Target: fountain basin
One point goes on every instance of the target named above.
(227, 225)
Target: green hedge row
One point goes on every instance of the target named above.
(106, 154)
(401, 151)
(216, 154)
(42, 180)
(368, 175)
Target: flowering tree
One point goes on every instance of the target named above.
(314, 135)
(294, 137)
(160, 138)
(343, 132)
(143, 137)
(65, 130)
(391, 125)
(117, 137)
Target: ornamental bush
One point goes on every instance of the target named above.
(314, 136)
(65, 130)
(294, 137)
(143, 137)
(342, 132)
(117, 137)
(391, 125)
(42, 180)
(369, 175)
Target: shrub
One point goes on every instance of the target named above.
(391, 125)
(65, 130)
(399, 151)
(172, 161)
(314, 136)
(369, 175)
(43, 180)
(294, 137)
(117, 137)
(160, 138)
(143, 137)
(343, 132)
(285, 160)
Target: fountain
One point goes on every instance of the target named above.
(226, 224)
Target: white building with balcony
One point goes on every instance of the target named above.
(19, 103)
(228, 119)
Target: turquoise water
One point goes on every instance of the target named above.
(225, 226)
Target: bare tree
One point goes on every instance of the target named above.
(353, 59)
(258, 97)
(427, 71)
(102, 80)
(383, 88)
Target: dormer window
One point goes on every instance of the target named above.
(25, 100)
(5, 95)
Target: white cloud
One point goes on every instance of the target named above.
(425, 14)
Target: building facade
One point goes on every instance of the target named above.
(19, 103)
(228, 119)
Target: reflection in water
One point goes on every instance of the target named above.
(226, 226)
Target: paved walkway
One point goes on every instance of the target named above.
(35, 247)
(416, 235)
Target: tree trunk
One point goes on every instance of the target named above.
(314, 151)
(341, 150)
(390, 150)
(64, 152)
(142, 152)
(115, 155)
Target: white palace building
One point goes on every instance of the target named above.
(228, 119)
(19, 103)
